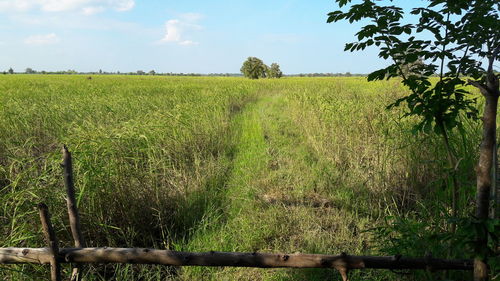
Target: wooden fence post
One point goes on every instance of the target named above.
(51, 239)
(74, 217)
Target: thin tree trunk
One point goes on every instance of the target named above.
(485, 180)
(495, 189)
(486, 157)
(487, 150)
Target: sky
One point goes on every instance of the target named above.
(186, 36)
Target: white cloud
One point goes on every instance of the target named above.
(173, 33)
(42, 39)
(13, 5)
(123, 5)
(87, 7)
(188, 43)
(88, 11)
(177, 28)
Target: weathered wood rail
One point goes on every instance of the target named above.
(341, 262)
(234, 259)
(81, 255)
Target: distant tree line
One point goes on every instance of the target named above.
(338, 74)
(262, 70)
(30, 70)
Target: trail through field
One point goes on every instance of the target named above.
(275, 199)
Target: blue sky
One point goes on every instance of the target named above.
(176, 36)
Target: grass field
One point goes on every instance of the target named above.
(229, 164)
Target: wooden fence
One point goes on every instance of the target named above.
(80, 255)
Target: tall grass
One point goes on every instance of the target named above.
(296, 164)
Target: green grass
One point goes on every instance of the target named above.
(228, 164)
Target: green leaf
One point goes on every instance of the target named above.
(377, 75)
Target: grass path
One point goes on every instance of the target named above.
(278, 198)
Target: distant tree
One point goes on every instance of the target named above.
(11, 71)
(44, 72)
(274, 71)
(100, 71)
(152, 72)
(29, 71)
(140, 72)
(254, 68)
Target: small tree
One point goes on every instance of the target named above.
(254, 68)
(11, 71)
(274, 71)
(152, 72)
(458, 34)
(29, 71)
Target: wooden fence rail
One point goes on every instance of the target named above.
(341, 262)
(80, 255)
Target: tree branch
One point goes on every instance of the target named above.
(482, 87)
